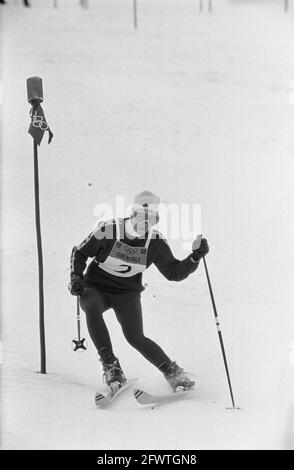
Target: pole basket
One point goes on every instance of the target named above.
(79, 345)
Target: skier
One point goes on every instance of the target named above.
(121, 250)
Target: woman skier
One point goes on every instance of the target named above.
(121, 250)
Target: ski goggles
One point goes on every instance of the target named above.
(142, 217)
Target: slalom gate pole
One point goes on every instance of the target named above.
(219, 333)
(38, 127)
(40, 261)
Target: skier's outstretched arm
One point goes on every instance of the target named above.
(87, 249)
(178, 270)
(97, 240)
(80, 254)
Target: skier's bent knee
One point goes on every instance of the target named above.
(136, 341)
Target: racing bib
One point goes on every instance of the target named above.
(125, 260)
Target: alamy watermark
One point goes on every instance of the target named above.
(176, 221)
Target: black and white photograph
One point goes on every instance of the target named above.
(147, 227)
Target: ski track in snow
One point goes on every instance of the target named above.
(196, 108)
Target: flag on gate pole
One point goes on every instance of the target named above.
(39, 124)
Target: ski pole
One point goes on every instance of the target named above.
(79, 343)
(219, 332)
(78, 318)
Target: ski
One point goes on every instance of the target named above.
(146, 399)
(103, 400)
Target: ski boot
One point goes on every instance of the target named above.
(177, 378)
(113, 375)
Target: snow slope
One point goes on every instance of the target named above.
(197, 108)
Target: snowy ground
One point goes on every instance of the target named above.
(197, 108)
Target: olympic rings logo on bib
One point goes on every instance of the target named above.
(131, 251)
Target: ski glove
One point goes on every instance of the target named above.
(201, 251)
(76, 285)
